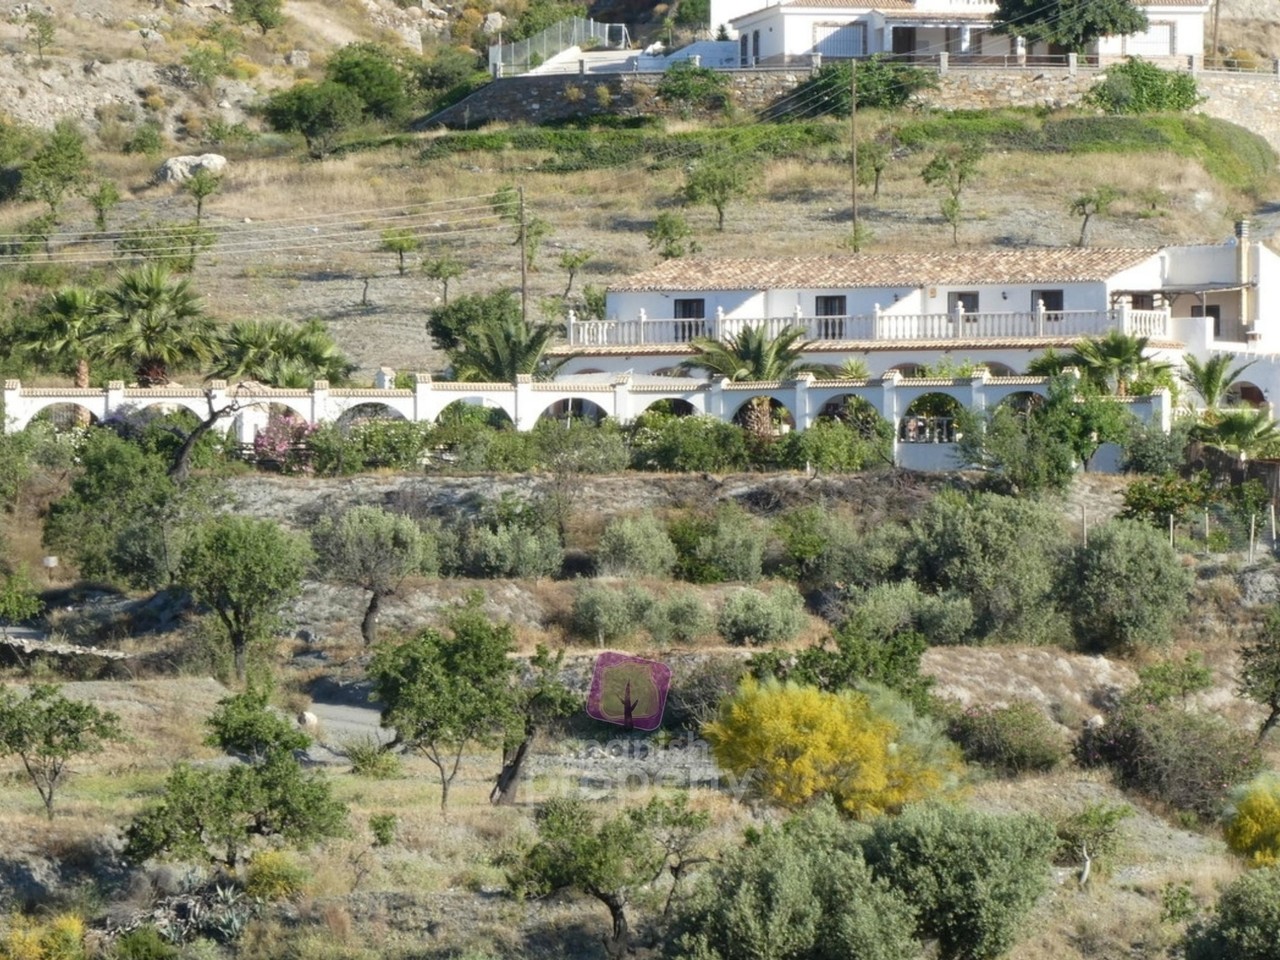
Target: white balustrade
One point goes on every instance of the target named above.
(880, 326)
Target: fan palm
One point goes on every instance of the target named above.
(753, 355)
(70, 328)
(1248, 432)
(1114, 361)
(156, 323)
(500, 348)
(1213, 378)
(1048, 364)
(281, 354)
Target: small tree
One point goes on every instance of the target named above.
(448, 323)
(244, 723)
(716, 182)
(608, 859)
(539, 701)
(1244, 923)
(320, 112)
(973, 877)
(104, 199)
(874, 158)
(246, 570)
(1260, 671)
(400, 241)
(571, 261)
(19, 600)
(215, 815)
(635, 546)
(41, 28)
(952, 168)
(671, 236)
(1096, 203)
(791, 744)
(1126, 588)
(442, 270)
(46, 730)
(443, 691)
(1252, 822)
(1073, 24)
(60, 165)
(202, 185)
(265, 14)
(368, 548)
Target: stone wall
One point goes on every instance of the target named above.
(1251, 100)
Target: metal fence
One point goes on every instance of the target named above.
(507, 59)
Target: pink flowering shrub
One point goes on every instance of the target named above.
(283, 442)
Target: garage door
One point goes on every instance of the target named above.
(1156, 42)
(838, 39)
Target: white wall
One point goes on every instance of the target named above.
(1174, 31)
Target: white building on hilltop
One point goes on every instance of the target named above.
(904, 312)
(773, 32)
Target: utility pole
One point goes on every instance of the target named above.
(524, 261)
(853, 143)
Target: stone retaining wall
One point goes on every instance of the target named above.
(1251, 100)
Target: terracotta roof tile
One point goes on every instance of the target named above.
(1028, 265)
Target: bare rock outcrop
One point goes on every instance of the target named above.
(181, 169)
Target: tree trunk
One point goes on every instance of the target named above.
(444, 796)
(504, 791)
(239, 647)
(369, 625)
(82, 373)
(1272, 719)
(615, 945)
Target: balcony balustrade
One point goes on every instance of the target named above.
(881, 326)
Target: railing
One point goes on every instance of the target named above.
(927, 430)
(507, 59)
(880, 326)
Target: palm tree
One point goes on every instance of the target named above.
(1248, 432)
(1213, 378)
(156, 323)
(1114, 361)
(753, 355)
(500, 348)
(70, 328)
(1048, 364)
(281, 354)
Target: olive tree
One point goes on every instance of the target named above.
(245, 570)
(46, 730)
(368, 548)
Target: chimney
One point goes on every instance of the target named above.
(1244, 262)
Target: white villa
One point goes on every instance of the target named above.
(996, 308)
(775, 32)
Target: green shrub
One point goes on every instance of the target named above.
(1094, 832)
(606, 614)
(1245, 923)
(1187, 760)
(727, 546)
(635, 546)
(1149, 449)
(882, 84)
(835, 446)
(687, 444)
(144, 943)
(889, 608)
(243, 723)
(1139, 86)
(1012, 739)
(383, 828)
(964, 546)
(369, 759)
(509, 550)
(762, 619)
(696, 692)
(680, 617)
(691, 86)
(973, 877)
(1126, 588)
(273, 876)
(579, 446)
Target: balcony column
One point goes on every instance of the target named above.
(876, 333)
(622, 397)
(570, 323)
(640, 331)
(959, 320)
(718, 332)
(800, 410)
(1123, 309)
(888, 406)
(1039, 318)
(966, 37)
